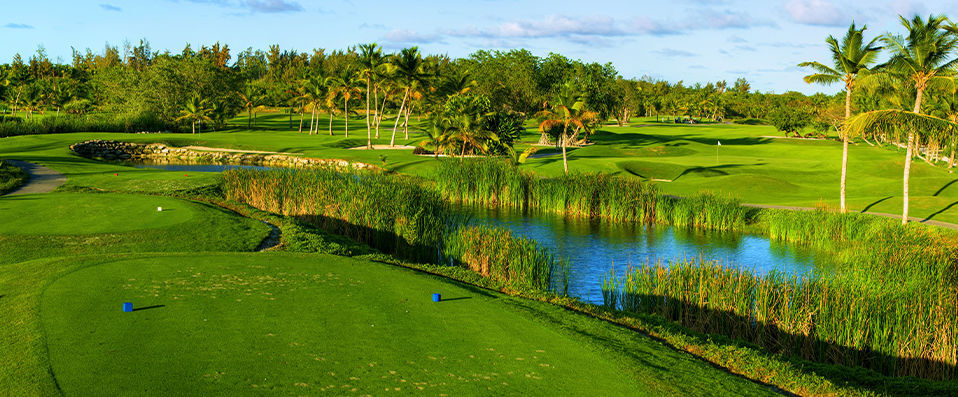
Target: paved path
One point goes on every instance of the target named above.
(893, 216)
(42, 179)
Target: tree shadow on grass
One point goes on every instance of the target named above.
(952, 182)
(869, 206)
(637, 139)
(936, 213)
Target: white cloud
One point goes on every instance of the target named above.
(817, 12)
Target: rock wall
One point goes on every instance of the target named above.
(159, 153)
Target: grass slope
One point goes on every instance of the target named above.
(234, 323)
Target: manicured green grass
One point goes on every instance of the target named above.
(89, 213)
(59, 224)
(306, 324)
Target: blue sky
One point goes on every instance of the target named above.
(689, 40)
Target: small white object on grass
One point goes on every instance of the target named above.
(159, 209)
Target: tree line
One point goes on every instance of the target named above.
(210, 85)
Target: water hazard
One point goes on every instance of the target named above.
(195, 167)
(593, 247)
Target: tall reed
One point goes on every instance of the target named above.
(520, 262)
(399, 216)
(896, 333)
(385, 212)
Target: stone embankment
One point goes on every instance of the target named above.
(159, 153)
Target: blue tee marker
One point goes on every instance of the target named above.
(127, 307)
(436, 297)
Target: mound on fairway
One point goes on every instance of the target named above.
(305, 324)
(88, 213)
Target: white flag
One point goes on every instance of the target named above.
(720, 143)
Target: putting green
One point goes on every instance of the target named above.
(89, 213)
(305, 324)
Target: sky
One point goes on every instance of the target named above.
(688, 40)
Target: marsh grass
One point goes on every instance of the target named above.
(398, 216)
(520, 262)
(895, 332)
(385, 212)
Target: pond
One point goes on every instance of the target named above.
(594, 247)
(194, 167)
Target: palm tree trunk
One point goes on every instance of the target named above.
(379, 114)
(290, 118)
(302, 114)
(405, 124)
(330, 121)
(194, 128)
(848, 114)
(565, 161)
(312, 119)
(904, 212)
(392, 141)
(911, 142)
(346, 114)
(249, 117)
(369, 130)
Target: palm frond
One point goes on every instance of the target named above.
(893, 122)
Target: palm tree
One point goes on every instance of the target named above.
(344, 84)
(566, 109)
(371, 60)
(850, 58)
(195, 111)
(409, 71)
(252, 98)
(314, 95)
(437, 135)
(922, 58)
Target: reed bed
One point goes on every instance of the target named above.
(879, 249)
(521, 263)
(399, 216)
(895, 333)
(385, 212)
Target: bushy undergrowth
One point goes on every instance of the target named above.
(894, 332)
(11, 177)
(66, 123)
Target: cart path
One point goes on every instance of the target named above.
(42, 179)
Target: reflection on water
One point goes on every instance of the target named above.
(195, 167)
(593, 246)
